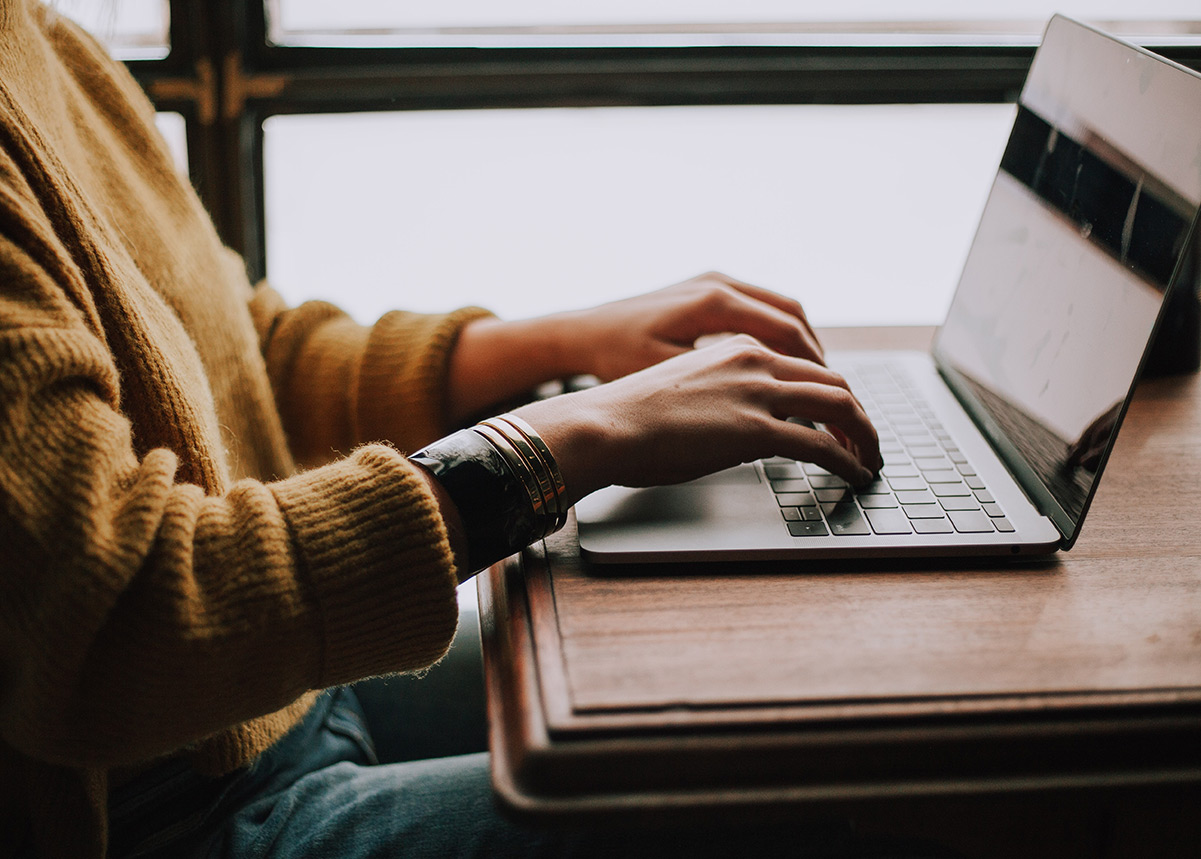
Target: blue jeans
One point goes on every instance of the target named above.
(321, 792)
(318, 792)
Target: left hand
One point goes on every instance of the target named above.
(495, 360)
(625, 336)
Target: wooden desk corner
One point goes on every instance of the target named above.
(642, 690)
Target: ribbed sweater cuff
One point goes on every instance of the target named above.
(401, 392)
(369, 537)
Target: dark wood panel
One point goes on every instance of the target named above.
(754, 686)
(1121, 612)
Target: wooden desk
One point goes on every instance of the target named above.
(628, 691)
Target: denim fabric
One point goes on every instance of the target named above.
(318, 792)
(322, 792)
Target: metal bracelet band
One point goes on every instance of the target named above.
(491, 499)
(521, 469)
(548, 459)
(534, 460)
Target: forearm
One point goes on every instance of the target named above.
(456, 533)
(145, 614)
(338, 384)
(498, 361)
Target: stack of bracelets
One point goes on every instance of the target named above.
(505, 483)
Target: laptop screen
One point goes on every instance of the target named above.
(1088, 222)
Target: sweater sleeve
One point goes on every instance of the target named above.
(140, 614)
(338, 383)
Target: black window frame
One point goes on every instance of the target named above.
(225, 77)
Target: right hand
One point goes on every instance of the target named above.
(702, 411)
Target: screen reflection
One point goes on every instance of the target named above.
(1087, 222)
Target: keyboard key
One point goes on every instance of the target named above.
(963, 502)
(808, 529)
(782, 470)
(888, 521)
(799, 484)
(928, 452)
(876, 487)
(827, 481)
(970, 521)
(832, 495)
(948, 490)
(1003, 524)
(932, 463)
(845, 519)
(932, 526)
(924, 511)
(924, 472)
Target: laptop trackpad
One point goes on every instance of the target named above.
(725, 495)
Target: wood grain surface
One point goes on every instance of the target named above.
(1121, 612)
(855, 671)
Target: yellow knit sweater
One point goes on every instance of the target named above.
(169, 584)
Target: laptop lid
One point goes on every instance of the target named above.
(1090, 222)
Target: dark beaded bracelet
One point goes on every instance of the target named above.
(491, 499)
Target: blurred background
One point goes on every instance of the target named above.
(534, 155)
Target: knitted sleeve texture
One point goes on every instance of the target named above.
(126, 594)
(339, 383)
(145, 604)
(170, 584)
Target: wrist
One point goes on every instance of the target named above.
(491, 504)
(499, 487)
(496, 361)
(580, 436)
(456, 532)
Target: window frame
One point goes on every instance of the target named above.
(225, 77)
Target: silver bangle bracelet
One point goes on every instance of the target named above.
(528, 454)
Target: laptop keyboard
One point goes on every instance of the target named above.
(927, 485)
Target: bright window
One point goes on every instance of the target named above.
(865, 213)
(132, 29)
(384, 22)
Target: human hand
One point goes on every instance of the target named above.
(702, 411)
(622, 337)
(496, 360)
(1087, 450)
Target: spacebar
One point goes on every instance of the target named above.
(845, 519)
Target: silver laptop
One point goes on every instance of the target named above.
(994, 441)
